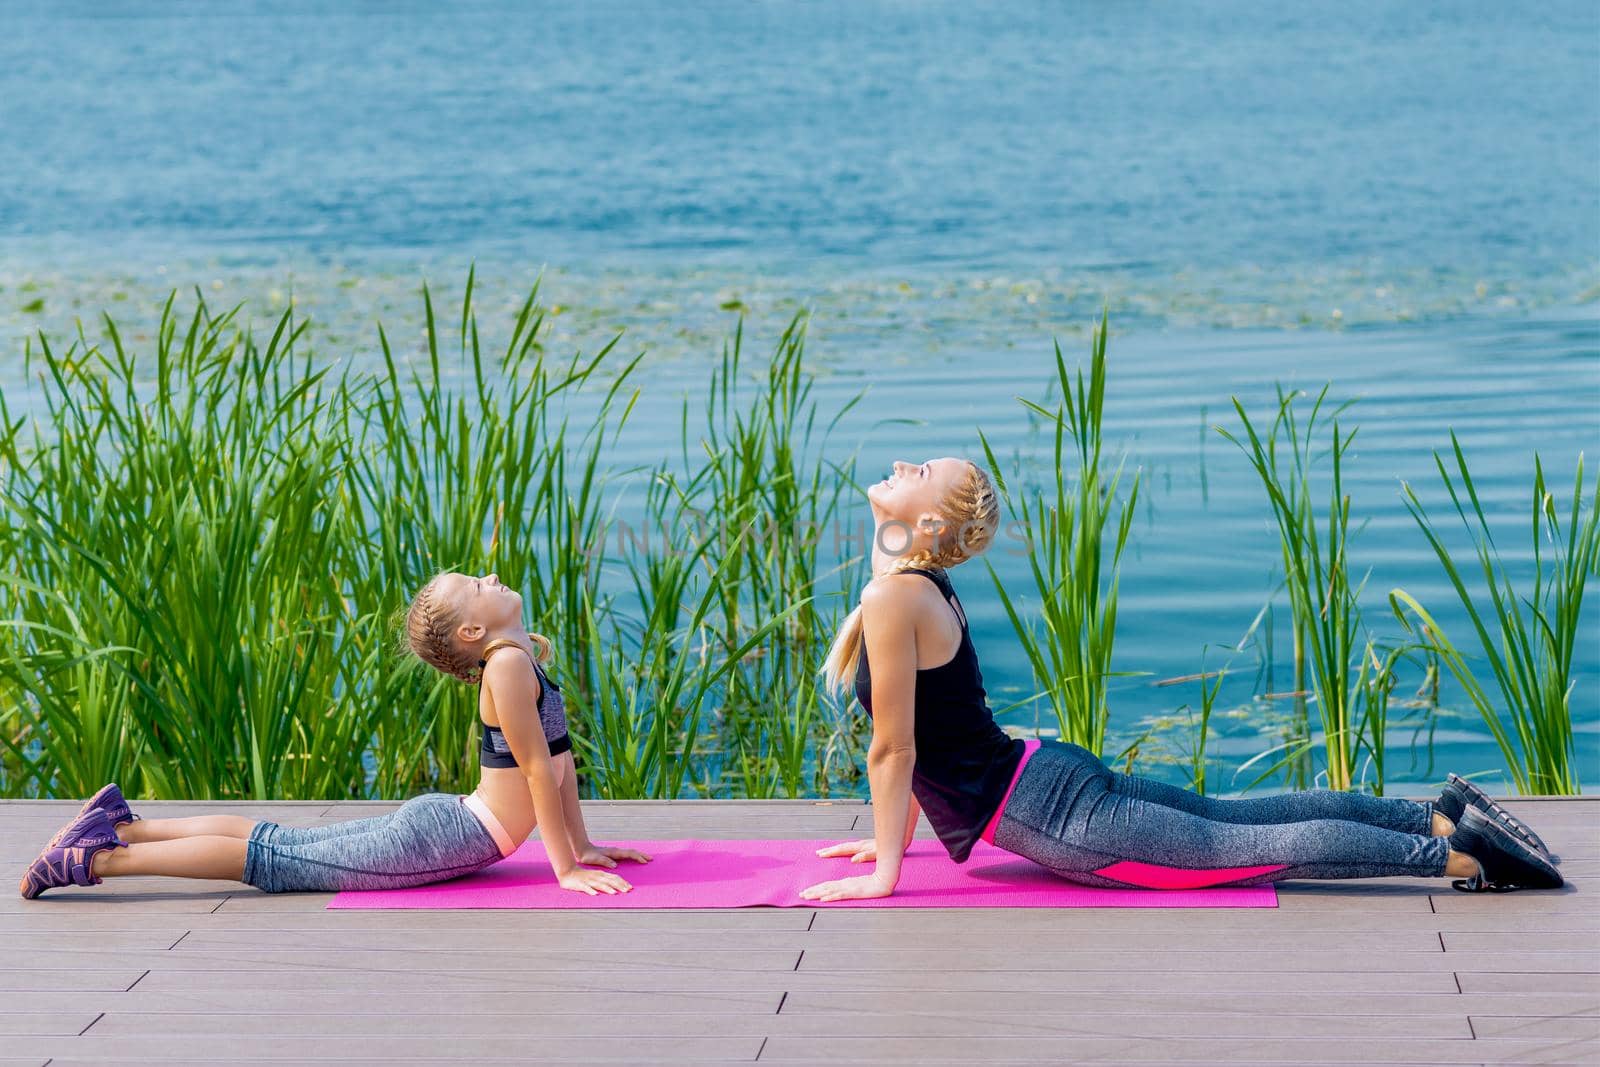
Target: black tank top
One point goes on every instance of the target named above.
(964, 760)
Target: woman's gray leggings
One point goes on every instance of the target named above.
(1087, 823)
(427, 839)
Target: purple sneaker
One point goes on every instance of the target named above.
(70, 859)
(109, 800)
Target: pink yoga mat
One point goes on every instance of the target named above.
(742, 874)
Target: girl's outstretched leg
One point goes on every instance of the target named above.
(209, 856)
(150, 830)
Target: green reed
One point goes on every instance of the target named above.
(1077, 538)
(169, 566)
(1528, 640)
(757, 488)
(474, 469)
(1350, 681)
(208, 548)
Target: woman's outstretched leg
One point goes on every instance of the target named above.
(1069, 813)
(1389, 813)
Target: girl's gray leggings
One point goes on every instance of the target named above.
(427, 839)
(1072, 814)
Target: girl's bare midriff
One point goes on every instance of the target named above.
(505, 791)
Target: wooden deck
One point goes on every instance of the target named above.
(1382, 972)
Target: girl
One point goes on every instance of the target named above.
(467, 627)
(935, 744)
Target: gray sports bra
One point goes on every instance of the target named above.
(494, 750)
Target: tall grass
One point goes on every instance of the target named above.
(1527, 639)
(1349, 679)
(757, 490)
(206, 545)
(167, 579)
(1078, 537)
(207, 548)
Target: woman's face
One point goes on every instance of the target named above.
(481, 604)
(913, 490)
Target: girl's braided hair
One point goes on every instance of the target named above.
(971, 512)
(430, 631)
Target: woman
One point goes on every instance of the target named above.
(935, 744)
(467, 627)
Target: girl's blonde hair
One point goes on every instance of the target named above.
(431, 636)
(970, 509)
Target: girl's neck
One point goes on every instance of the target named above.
(515, 635)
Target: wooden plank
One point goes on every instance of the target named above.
(999, 959)
(1239, 922)
(506, 921)
(44, 941)
(1528, 902)
(395, 982)
(1554, 937)
(721, 961)
(992, 1048)
(1023, 1000)
(1526, 981)
(492, 942)
(518, 1025)
(493, 947)
(131, 896)
(551, 1047)
(45, 1024)
(992, 1008)
(543, 1003)
(69, 980)
(1542, 1027)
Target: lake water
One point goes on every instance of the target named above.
(1403, 201)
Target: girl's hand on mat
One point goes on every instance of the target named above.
(605, 856)
(863, 851)
(583, 880)
(865, 887)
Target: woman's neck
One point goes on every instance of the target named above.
(895, 532)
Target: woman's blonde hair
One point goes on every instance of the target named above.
(431, 636)
(970, 510)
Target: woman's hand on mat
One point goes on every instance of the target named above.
(863, 851)
(584, 880)
(606, 856)
(865, 887)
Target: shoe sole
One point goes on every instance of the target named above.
(1501, 838)
(1477, 798)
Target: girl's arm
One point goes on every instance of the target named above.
(515, 690)
(572, 817)
(887, 615)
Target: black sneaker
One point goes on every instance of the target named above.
(1460, 794)
(1505, 861)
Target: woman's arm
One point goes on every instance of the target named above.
(572, 817)
(888, 618)
(866, 850)
(515, 690)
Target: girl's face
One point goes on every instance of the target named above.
(481, 604)
(913, 490)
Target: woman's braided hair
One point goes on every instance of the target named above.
(431, 635)
(971, 512)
